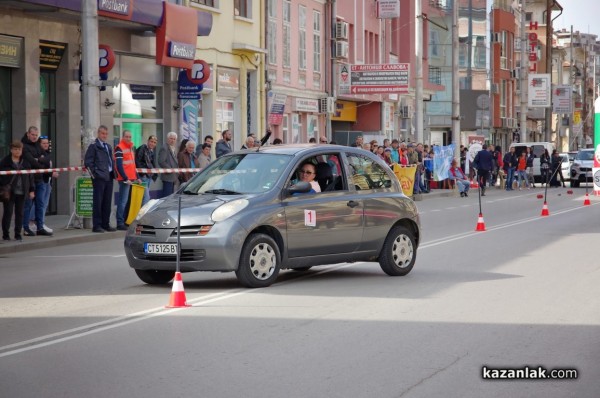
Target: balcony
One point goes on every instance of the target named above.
(435, 75)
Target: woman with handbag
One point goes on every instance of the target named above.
(19, 185)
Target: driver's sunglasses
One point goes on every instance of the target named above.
(306, 172)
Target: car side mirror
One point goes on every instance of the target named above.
(300, 187)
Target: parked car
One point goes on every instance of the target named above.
(565, 165)
(581, 169)
(248, 212)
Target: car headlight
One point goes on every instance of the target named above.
(228, 209)
(152, 203)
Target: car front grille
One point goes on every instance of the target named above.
(191, 230)
(145, 230)
(186, 255)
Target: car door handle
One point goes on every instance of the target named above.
(352, 204)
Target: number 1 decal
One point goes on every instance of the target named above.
(310, 218)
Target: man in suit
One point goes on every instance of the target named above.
(483, 163)
(99, 163)
(167, 159)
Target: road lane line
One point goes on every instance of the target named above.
(93, 328)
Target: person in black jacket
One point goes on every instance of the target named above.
(21, 186)
(483, 163)
(99, 163)
(145, 158)
(510, 163)
(37, 158)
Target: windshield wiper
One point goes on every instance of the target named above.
(185, 191)
(222, 192)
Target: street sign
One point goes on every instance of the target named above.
(379, 79)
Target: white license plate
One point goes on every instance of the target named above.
(160, 248)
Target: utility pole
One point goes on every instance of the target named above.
(455, 85)
(419, 71)
(571, 86)
(548, 122)
(89, 71)
(523, 74)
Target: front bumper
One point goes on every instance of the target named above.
(218, 250)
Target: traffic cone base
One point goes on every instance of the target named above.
(474, 184)
(545, 211)
(177, 299)
(587, 202)
(480, 223)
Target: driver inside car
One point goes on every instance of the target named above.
(307, 173)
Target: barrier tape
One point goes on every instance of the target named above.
(82, 168)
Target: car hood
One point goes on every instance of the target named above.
(584, 163)
(195, 210)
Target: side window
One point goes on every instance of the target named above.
(367, 174)
(325, 173)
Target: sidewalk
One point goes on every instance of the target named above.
(62, 236)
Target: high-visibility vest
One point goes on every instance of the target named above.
(128, 162)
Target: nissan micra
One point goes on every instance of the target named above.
(256, 212)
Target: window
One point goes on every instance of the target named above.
(480, 52)
(367, 174)
(287, 36)
(462, 51)
(208, 3)
(302, 37)
(328, 172)
(242, 8)
(272, 8)
(434, 41)
(272, 57)
(5, 111)
(316, 41)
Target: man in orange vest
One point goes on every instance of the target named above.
(126, 175)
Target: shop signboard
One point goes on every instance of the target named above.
(186, 89)
(84, 197)
(276, 107)
(539, 90)
(379, 79)
(11, 51)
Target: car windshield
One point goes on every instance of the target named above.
(585, 155)
(239, 174)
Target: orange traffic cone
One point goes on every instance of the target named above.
(177, 299)
(540, 196)
(587, 202)
(480, 223)
(473, 184)
(545, 211)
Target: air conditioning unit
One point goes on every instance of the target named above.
(341, 30)
(341, 49)
(494, 88)
(327, 105)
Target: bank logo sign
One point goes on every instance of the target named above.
(121, 7)
(182, 50)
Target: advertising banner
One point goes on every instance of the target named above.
(561, 99)
(406, 176)
(442, 158)
(539, 87)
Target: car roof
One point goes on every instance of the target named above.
(294, 149)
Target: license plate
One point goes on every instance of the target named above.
(160, 248)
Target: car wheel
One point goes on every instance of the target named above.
(399, 252)
(260, 261)
(155, 277)
(574, 184)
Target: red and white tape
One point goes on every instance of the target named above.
(82, 168)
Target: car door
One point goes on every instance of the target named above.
(326, 222)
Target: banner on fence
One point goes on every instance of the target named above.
(442, 157)
(406, 176)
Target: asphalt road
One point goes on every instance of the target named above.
(75, 321)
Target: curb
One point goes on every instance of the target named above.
(43, 242)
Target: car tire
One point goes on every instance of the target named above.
(574, 184)
(399, 252)
(260, 262)
(155, 277)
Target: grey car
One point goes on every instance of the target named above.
(581, 168)
(249, 212)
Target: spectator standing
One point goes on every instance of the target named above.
(207, 140)
(358, 142)
(387, 156)
(413, 159)
(21, 186)
(483, 164)
(522, 170)
(545, 166)
(99, 163)
(386, 143)
(279, 141)
(126, 175)
(322, 140)
(498, 165)
(249, 144)
(555, 162)
(367, 146)
(460, 179)
(145, 158)
(420, 170)
(36, 159)
(395, 152)
(224, 144)
(167, 159)
(47, 179)
(204, 158)
(187, 160)
(510, 162)
(530, 157)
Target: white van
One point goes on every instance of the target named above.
(538, 150)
